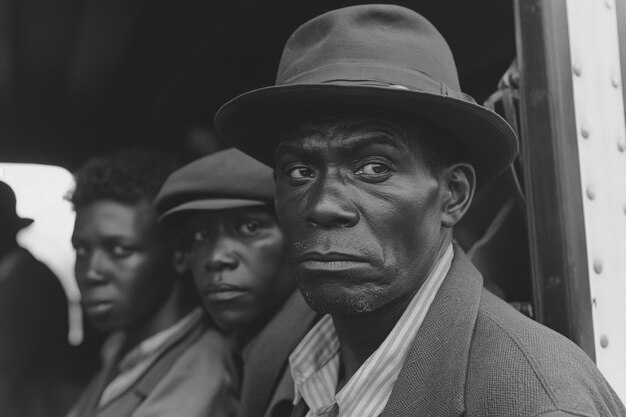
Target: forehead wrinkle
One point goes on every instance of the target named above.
(348, 134)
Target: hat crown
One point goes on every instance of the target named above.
(8, 213)
(226, 174)
(385, 44)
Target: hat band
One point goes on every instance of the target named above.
(374, 74)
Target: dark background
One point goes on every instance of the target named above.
(78, 77)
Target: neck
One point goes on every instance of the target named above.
(173, 309)
(361, 334)
(7, 245)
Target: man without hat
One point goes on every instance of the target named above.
(377, 154)
(223, 204)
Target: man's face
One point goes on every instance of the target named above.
(239, 266)
(360, 210)
(123, 268)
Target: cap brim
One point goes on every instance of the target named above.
(212, 204)
(251, 122)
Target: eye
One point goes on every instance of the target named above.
(250, 228)
(121, 251)
(81, 251)
(373, 168)
(201, 235)
(301, 172)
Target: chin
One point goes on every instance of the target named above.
(230, 320)
(340, 303)
(104, 325)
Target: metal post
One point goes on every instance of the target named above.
(552, 173)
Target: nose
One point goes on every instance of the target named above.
(222, 256)
(331, 207)
(94, 274)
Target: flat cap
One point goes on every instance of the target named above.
(223, 180)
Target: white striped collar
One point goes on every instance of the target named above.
(315, 362)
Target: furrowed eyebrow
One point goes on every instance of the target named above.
(350, 144)
(287, 148)
(375, 138)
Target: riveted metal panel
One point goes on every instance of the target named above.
(601, 140)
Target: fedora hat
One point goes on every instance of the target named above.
(224, 180)
(9, 218)
(382, 56)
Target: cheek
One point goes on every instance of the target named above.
(143, 274)
(290, 207)
(266, 256)
(407, 228)
(196, 259)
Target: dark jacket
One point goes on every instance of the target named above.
(193, 377)
(474, 355)
(34, 350)
(267, 387)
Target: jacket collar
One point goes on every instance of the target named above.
(266, 357)
(432, 380)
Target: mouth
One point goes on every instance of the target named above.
(331, 261)
(97, 307)
(224, 292)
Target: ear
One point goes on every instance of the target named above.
(181, 261)
(458, 184)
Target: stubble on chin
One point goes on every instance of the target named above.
(335, 303)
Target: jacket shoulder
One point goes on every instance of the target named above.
(520, 367)
(201, 382)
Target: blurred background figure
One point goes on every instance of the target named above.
(33, 326)
(162, 358)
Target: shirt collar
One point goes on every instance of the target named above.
(154, 343)
(138, 360)
(315, 362)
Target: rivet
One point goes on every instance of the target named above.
(608, 4)
(584, 131)
(597, 266)
(614, 81)
(577, 69)
(621, 144)
(591, 192)
(604, 341)
(624, 208)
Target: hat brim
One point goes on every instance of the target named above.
(23, 222)
(251, 121)
(212, 204)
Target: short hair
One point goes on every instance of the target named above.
(127, 176)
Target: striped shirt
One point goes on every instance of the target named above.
(315, 362)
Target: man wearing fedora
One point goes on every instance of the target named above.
(377, 154)
(34, 348)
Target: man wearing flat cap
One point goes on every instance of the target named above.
(377, 154)
(222, 207)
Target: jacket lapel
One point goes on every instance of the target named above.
(267, 357)
(432, 380)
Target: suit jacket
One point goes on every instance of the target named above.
(474, 355)
(267, 387)
(192, 378)
(34, 351)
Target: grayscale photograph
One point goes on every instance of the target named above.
(312, 209)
